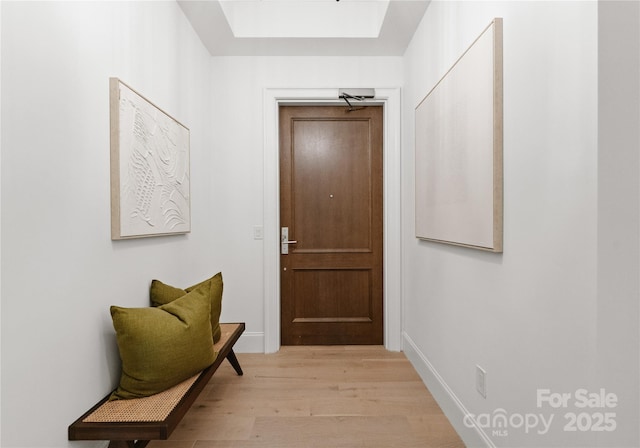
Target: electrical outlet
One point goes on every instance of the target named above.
(481, 381)
(258, 232)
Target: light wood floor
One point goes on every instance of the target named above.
(316, 397)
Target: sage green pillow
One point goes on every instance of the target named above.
(161, 294)
(163, 346)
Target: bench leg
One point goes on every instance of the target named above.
(234, 362)
(128, 443)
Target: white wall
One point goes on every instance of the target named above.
(60, 270)
(618, 365)
(533, 316)
(63, 270)
(0, 224)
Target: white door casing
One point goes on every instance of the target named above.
(390, 99)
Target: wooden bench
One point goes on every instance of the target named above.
(134, 423)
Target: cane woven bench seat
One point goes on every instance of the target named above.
(133, 423)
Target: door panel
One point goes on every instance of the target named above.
(332, 295)
(331, 201)
(331, 185)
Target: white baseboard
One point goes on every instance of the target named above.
(250, 342)
(449, 403)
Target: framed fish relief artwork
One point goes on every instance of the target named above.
(150, 183)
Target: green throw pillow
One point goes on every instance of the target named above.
(162, 294)
(163, 346)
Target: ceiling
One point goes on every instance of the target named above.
(305, 27)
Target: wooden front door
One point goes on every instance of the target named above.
(331, 205)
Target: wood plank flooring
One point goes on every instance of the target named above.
(316, 397)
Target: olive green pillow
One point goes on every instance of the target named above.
(162, 294)
(163, 346)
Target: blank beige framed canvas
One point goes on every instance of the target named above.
(459, 147)
(150, 183)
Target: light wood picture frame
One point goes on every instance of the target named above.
(150, 172)
(459, 150)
